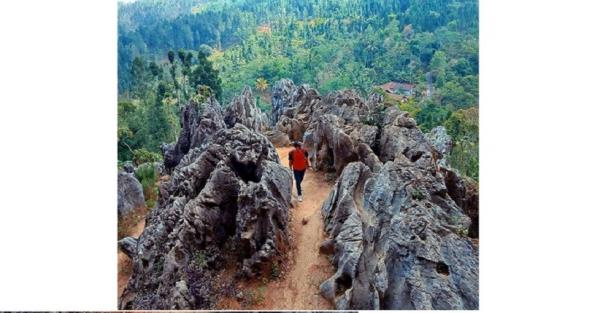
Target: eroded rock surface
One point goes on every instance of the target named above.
(282, 97)
(292, 109)
(199, 123)
(398, 241)
(243, 110)
(227, 200)
(399, 233)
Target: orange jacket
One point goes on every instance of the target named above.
(299, 159)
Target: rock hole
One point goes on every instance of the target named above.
(442, 268)
(247, 172)
(416, 156)
(342, 283)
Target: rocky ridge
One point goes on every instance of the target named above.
(398, 218)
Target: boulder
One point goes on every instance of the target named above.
(230, 193)
(130, 193)
(128, 246)
(398, 241)
(278, 138)
(294, 128)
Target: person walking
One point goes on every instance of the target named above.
(299, 163)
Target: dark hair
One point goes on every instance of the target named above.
(297, 144)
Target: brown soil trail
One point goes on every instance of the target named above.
(299, 288)
(124, 265)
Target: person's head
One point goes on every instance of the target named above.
(297, 145)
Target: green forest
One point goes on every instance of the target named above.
(167, 49)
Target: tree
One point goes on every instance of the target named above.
(171, 56)
(138, 74)
(204, 74)
(261, 84)
(158, 126)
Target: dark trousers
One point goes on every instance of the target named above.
(299, 176)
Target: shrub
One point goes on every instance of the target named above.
(141, 156)
(147, 175)
(463, 127)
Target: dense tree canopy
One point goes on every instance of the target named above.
(331, 45)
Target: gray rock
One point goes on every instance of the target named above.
(233, 191)
(199, 123)
(130, 193)
(243, 110)
(293, 108)
(128, 245)
(441, 142)
(128, 167)
(398, 242)
(278, 138)
(282, 98)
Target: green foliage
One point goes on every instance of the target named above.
(329, 44)
(149, 115)
(199, 260)
(275, 270)
(144, 156)
(147, 175)
(166, 49)
(432, 115)
(463, 127)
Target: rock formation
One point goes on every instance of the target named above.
(463, 191)
(292, 109)
(130, 192)
(282, 98)
(227, 200)
(399, 241)
(441, 141)
(399, 233)
(199, 122)
(398, 219)
(243, 110)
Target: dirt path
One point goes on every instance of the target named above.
(299, 288)
(125, 267)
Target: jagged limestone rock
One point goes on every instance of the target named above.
(441, 141)
(399, 233)
(243, 110)
(228, 190)
(399, 241)
(199, 122)
(282, 98)
(292, 109)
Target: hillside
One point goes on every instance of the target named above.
(431, 46)
(399, 225)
